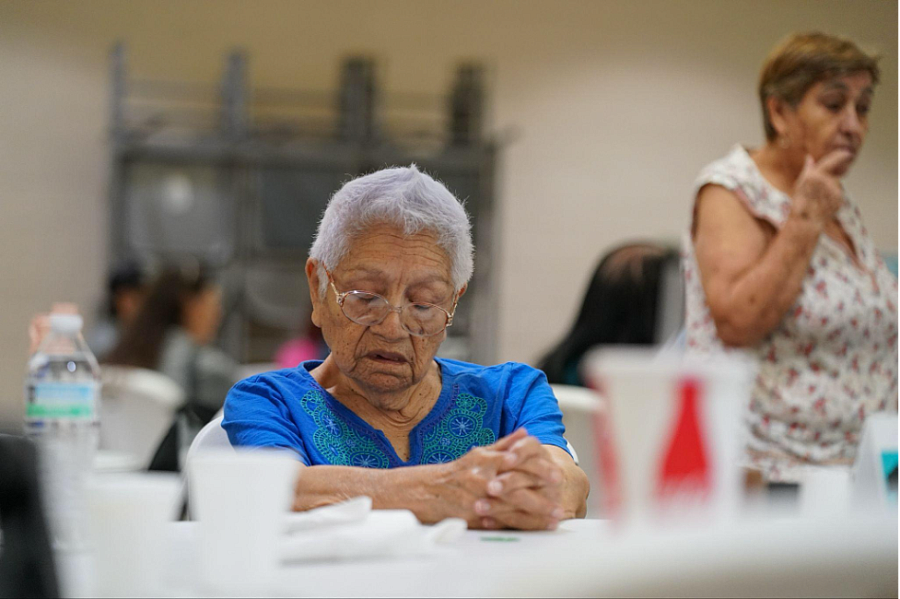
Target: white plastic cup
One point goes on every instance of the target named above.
(128, 514)
(825, 492)
(241, 499)
(658, 405)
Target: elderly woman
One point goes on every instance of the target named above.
(381, 415)
(779, 262)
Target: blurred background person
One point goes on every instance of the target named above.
(779, 262)
(172, 333)
(621, 306)
(125, 292)
(309, 346)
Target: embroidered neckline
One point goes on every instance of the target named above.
(454, 425)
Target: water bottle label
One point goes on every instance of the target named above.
(62, 400)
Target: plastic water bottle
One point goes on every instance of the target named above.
(62, 404)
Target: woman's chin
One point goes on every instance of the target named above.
(386, 381)
(842, 170)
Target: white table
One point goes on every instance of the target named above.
(786, 557)
(108, 461)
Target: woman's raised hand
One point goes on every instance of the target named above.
(817, 193)
(40, 324)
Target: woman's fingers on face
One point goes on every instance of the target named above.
(835, 161)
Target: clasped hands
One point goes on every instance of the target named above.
(513, 483)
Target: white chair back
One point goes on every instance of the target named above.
(579, 405)
(137, 407)
(211, 436)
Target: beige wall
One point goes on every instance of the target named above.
(616, 106)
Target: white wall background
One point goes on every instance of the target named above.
(617, 105)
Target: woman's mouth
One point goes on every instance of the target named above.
(846, 148)
(386, 357)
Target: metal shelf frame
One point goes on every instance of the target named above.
(353, 130)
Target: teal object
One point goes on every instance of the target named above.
(889, 470)
(890, 260)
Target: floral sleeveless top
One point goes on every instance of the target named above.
(833, 358)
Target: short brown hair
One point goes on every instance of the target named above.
(804, 59)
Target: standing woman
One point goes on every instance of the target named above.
(779, 262)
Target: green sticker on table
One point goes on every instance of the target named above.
(501, 539)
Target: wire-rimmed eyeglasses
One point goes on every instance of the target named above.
(370, 309)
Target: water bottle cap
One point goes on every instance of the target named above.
(66, 323)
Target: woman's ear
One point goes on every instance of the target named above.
(312, 278)
(778, 112)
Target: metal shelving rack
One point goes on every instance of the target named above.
(236, 178)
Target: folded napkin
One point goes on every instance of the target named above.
(353, 530)
(347, 512)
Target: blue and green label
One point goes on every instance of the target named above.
(62, 400)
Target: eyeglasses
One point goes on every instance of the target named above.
(370, 309)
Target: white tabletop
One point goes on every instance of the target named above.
(116, 462)
(788, 557)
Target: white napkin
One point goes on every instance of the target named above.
(345, 512)
(352, 530)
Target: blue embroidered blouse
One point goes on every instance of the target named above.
(477, 405)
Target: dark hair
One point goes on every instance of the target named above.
(126, 277)
(162, 308)
(802, 60)
(620, 306)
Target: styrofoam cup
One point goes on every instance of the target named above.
(240, 499)
(128, 514)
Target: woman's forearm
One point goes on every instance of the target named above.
(439, 491)
(411, 488)
(757, 301)
(575, 487)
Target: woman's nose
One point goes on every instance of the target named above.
(390, 327)
(851, 123)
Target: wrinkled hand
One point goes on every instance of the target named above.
(817, 193)
(510, 484)
(464, 482)
(527, 490)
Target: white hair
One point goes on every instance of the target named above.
(400, 196)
